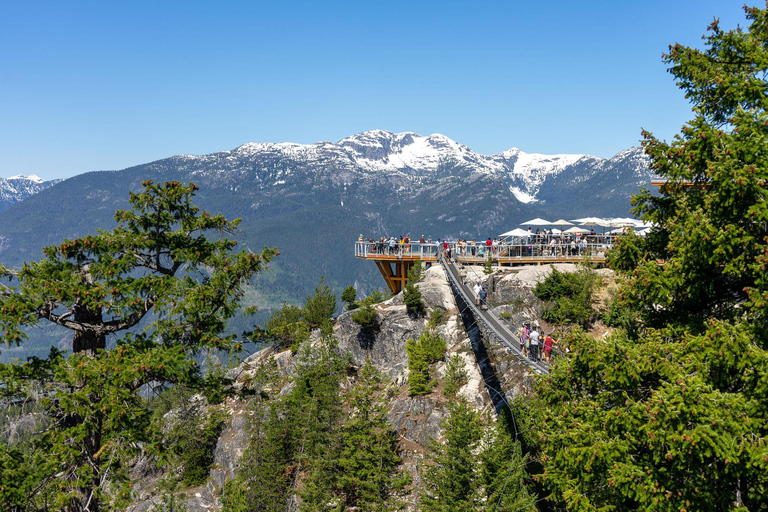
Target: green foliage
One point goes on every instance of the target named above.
(436, 317)
(455, 375)
(411, 293)
(672, 415)
(429, 349)
(620, 314)
(319, 307)
(709, 222)
(376, 296)
(157, 268)
(568, 296)
(293, 435)
(349, 295)
(368, 477)
(366, 317)
(503, 470)
(505, 315)
(451, 480)
(193, 438)
(287, 327)
(488, 265)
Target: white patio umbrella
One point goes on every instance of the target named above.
(515, 232)
(562, 222)
(556, 231)
(536, 222)
(620, 223)
(576, 229)
(587, 221)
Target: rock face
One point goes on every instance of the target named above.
(386, 348)
(416, 419)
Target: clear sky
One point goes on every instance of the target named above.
(100, 85)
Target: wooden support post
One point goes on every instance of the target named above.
(397, 277)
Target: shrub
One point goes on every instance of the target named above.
(436, 318)
(568, 296)
(455, 375)
(366, 317)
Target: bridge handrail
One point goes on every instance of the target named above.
(506, 251)
(486, 317)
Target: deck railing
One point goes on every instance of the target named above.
(591, 247)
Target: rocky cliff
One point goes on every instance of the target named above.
(417, 419)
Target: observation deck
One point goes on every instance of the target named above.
(395, 262)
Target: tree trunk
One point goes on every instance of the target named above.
(88, 341)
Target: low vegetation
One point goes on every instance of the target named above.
(568, 296)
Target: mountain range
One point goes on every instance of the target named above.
(313, 200)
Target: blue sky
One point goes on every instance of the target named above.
(100, 85)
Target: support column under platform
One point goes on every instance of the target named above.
(395, 273)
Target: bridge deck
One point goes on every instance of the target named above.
(489, 320)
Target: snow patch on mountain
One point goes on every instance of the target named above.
(402, 160)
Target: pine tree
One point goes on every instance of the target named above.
(451, 480)
(411, 293)
(503, 471)
(349, 295)
(157, 268)
(319, 307)
(368, 459)
(429, 349)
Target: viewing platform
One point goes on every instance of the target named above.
(395, 262)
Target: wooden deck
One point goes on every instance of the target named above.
(394, 265)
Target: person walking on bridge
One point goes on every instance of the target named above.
(524, 339)
(535, 344)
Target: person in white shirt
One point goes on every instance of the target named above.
(476, 289)
(534, 343)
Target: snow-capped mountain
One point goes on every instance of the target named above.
(18, 188)
(404, 160)
(312, 200)
(325, 194)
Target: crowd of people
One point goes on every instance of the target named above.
(531, 343)
(536, 243)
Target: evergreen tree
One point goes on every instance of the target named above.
(429, 349)
(286, 327)
(157, 268)
(451, 480)
(368, 477)
(296, 439)
(367, 318)
(349, 295)
(411, 293)
(319, 307)
(503, 471)
(455, 375)
(488, 265)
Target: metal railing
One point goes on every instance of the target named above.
(493, 325)
(535, 247)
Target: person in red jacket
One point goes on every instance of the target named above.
(548, 342)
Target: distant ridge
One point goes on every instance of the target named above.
(17, 188)
(312, 201)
